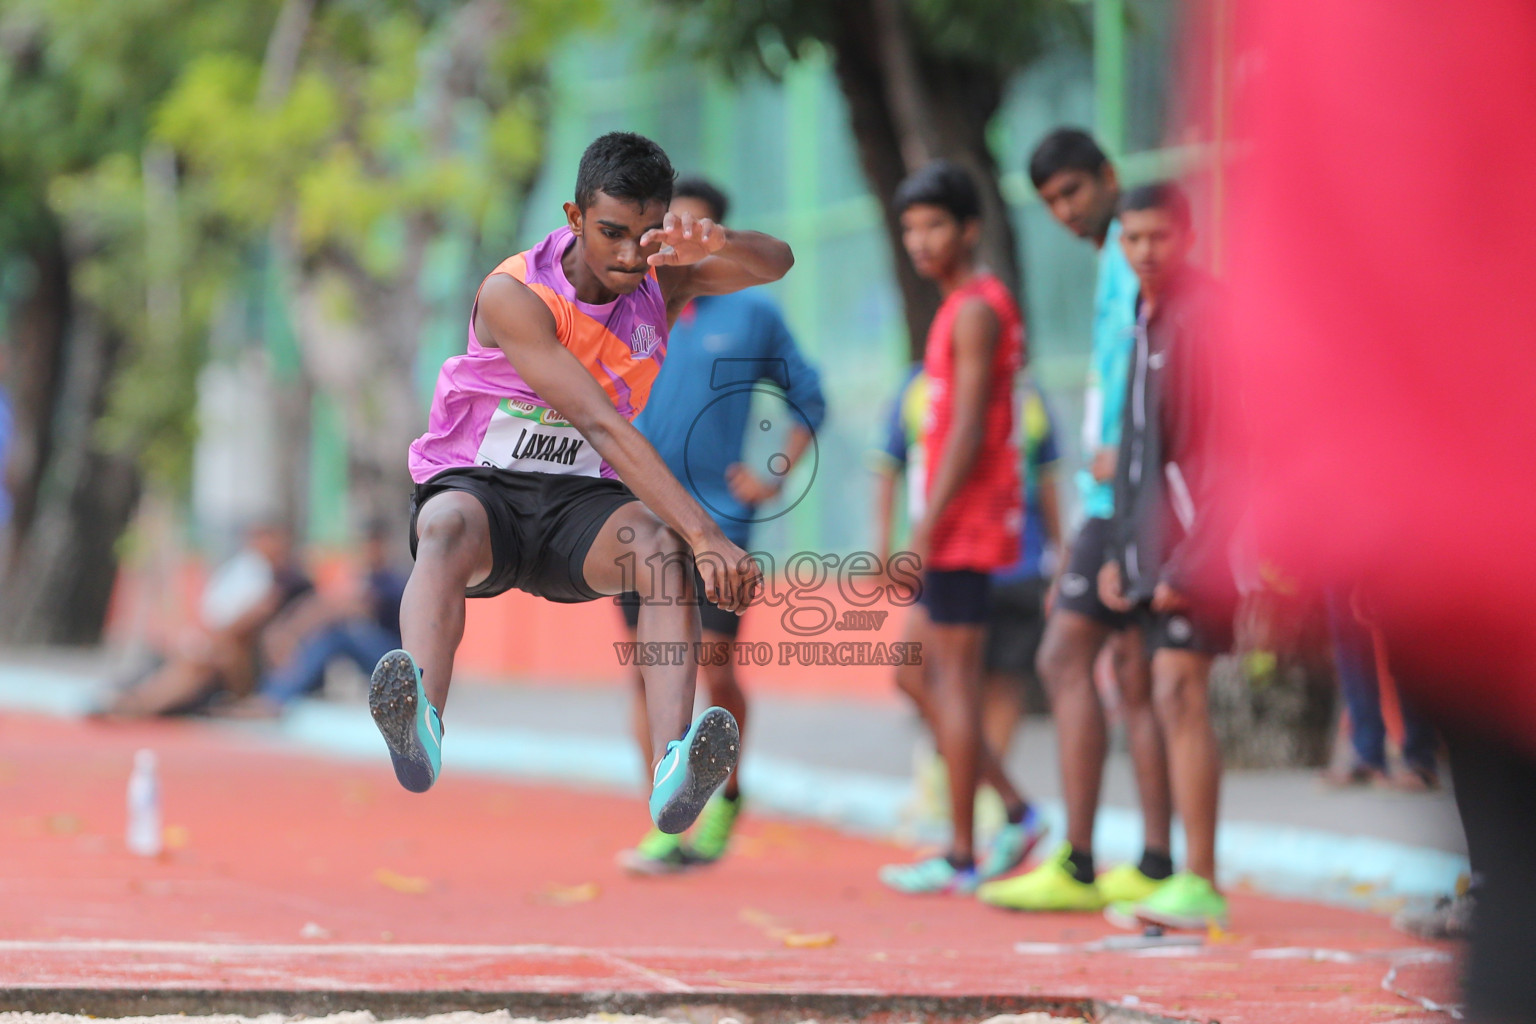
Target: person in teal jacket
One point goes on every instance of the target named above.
(1079, 186)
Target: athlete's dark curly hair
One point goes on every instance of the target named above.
(625, 166)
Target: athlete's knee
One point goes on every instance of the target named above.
(666, 562)
(446, 535)
(1179, 691)
(656, 541)
(1063, 661)
(443, 529)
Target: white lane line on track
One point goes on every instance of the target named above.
(400, 949)
(666, 982)
(428, 950)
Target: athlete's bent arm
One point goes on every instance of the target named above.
(518, 322)
(700, 257)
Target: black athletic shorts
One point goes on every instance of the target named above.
(1078, 590)
(956, 597)
(542, 526)
(1185, 631)
(1015, 626)
(712, 618)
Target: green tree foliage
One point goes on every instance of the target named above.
(754, 35)
(81, 79)
(154, 154)
(922, 79)
(79, 83)
(398, 110)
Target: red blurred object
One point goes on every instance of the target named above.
(1382, 264)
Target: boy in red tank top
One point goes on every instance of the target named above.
(971, 517)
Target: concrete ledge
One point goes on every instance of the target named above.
(746, 1007)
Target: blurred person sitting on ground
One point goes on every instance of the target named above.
(524, 476)
(699, 432)
(968, 525)
(1365, 757)
(1013, 629)
(1168, 561)
(246, 598)
(1080, 188)
(360, 624)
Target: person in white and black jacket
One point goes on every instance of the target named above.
(1167, 562)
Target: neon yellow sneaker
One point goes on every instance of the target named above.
(1126, 884)
(1185, 901)
(712, 835)
(659, 853)
(1049, 887)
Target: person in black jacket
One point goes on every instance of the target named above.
(1167, 561)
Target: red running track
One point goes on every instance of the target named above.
(297, 873)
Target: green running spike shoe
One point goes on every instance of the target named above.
(692, 769)
(407, 720)
(1185, 901)
(713, 835)
(657, 854)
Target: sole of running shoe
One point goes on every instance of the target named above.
(396, 710)
(708, 762)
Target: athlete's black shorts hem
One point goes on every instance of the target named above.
(1184, 631)
(1078, 589)
(956, 597)
(542, 526)
(712, 618)
(1015, 626)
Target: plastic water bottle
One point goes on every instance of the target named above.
(144, 806)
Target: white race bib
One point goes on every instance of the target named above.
(532, 438)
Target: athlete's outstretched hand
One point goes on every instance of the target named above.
(684, 239)
(732, 579)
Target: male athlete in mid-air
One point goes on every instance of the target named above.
(518, 477)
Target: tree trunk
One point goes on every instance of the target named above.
(905, 111)
(862, 82)
(963, 102)
(37, 354)
(68, 558)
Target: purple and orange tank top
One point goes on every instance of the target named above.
(485, 414)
